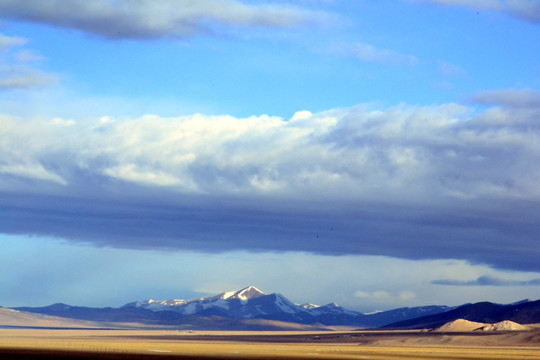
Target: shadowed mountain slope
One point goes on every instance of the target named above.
(482, 312)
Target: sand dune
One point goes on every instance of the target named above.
(462, 325)
(9, 317)
(505, 325)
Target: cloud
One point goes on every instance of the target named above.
(370, 53)
(33, 171)
(385, 296)
(19, 77)
(528, 10)
(362, 294)
(508, 98)
(488, 281)
(7, 42)
(517, 107)
(407, 295)
(449, 69)
(412, 182)
(18, 69)
(146, 19)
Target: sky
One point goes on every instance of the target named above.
(377, 154)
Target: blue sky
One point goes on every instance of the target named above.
(373, 153)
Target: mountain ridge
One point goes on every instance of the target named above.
(522, 312)
(251, 305)
(248, 303)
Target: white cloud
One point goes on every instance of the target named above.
(407, 296)
(146, 19)
(131, 173)
(370, 53)
(385, 297)
(414, 154)
(301, 115)
(31, 171)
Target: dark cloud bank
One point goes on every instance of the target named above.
(216, 225)
(409, 182)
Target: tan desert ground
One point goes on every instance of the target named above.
(30, 336)
(19, 343)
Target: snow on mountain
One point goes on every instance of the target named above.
(285, 305)
(248, 303)
(331, 308)
(309, 306)
(251, 292)
(223, 301)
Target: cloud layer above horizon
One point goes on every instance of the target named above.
(425, 182)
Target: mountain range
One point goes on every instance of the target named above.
(523, 312)
(249, 303)
(250, 308)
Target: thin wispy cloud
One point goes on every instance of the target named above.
(488, 281)
(22, 77)
(450, 70)
(510, 98)
(18, 68)
(7, 42)
(370, 53)
(528, 10)
(145, 19)
(382, 296)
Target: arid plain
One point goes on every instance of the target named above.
(341, 344)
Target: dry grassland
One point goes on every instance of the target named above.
(144, 344)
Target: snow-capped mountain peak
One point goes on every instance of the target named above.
(251, 292)
(249, 303)
(222, 302)
(157, 304)
(309, 306)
